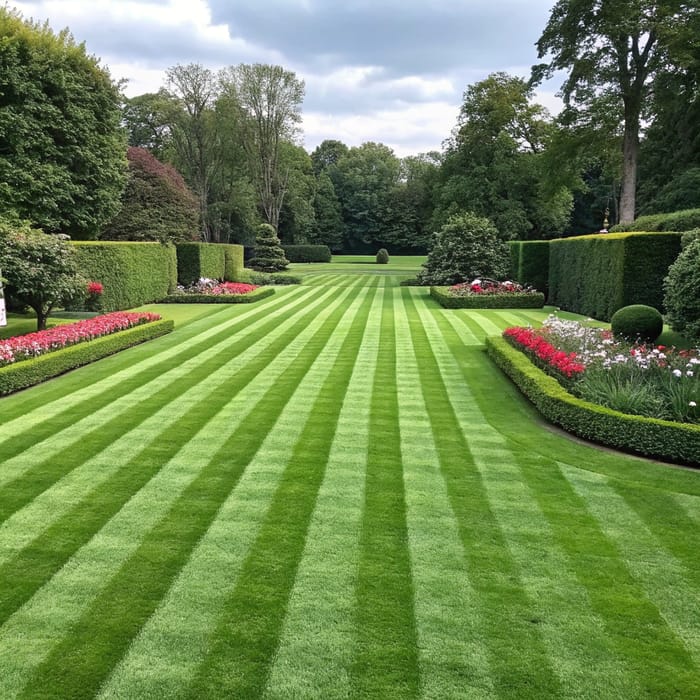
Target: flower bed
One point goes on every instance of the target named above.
(208, 291)
(487, 294)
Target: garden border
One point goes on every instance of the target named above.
(650, 437)
(36, 370)
(487, 301)
(249, 298)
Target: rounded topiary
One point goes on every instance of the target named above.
(268, 255)
(637, 322)
(682, 300)
(382, 256)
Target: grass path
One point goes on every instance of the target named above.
(331, 494)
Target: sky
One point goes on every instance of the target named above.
(391, 71)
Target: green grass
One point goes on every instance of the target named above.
(332, 493)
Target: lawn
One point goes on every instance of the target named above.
(333, 493)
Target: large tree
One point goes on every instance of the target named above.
(269, 99)
(612, 51)
(62, 150)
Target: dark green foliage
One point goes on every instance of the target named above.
(533, 265)
(637, 321)
(132, 273)
(62, 161)
(156, 204)
(233, 261)
(486, 301)
(249, 298)
(467, 246)
(265, 278)
(684, 220)
(197, 260)
(682, 291)
(268, 255)
(515, 252)
(676, 442)
(307, 253)
(382, 257)
(39, 369)
(596, 275)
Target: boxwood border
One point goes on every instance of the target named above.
(487, 301)
(26, 373)
(651, 437)
(249, 298)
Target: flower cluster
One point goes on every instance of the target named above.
(534, 344)
(95, 288)
(23, 347)
(213, 287)
(489, 287)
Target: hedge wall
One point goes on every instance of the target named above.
(515, 250)
(677, 442)
(598, 274)
(486, 301)
(233, 262)
(248, 298)
(132, 273)
(533, 265)
(684, 220)
(36, 370)
(307, 253)
(217, 261)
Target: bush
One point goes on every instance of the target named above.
(268, 255)
(263, 278)
(485, 301)
(677, 442)
(30, 372)
(684, 220)
(233, 261)
(637, 321)
(307, 253)
(533, 265)
(682, 298)
(247, 298)
(132, 274)
(466, 247)
(382, 256)
(197, 260)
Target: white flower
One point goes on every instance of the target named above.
(477, 281)
(677, 373)
(692, 404)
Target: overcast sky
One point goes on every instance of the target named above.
(392, 71)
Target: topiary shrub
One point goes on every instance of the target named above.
(682, 301)
(268, 255)
(307, 253)
(382, 256)
(637, 321)
(466, 247)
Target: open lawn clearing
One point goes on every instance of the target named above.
(332, 493)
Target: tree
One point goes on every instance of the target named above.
(612, 52)
(268, 255)
(40, 270)
(326, 154)
(297, 217)
(157, 205)
(328, 220)
(147, 119)
(62, 163)
(269, 99)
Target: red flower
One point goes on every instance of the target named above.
(95, 288)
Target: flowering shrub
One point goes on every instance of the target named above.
(489, 287)
(213, 287)
(24, 347)
(94, 296)
(636, 378)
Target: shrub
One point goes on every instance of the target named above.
(684, 220)
(467, 246)
(533, 265)
(131, 274)
(268, 255)
(516, 300)
(682, 298)
(197, 260)
(264, 278)
(637, 321)
(247, 298)
(307, 253)
(233, 261)
(678, 442)
(382, 256)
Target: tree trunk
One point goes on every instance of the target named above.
(630, 150)
(41, 318)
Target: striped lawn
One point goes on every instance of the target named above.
(331, 494)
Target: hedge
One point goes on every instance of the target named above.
(233, 262)
(487, 301)
(684, 220)
(515, 249)
(533, 265)
(132, 273)
(598, 274)
(651, 437)
(307, 253)
(27, 373)
(249, 298)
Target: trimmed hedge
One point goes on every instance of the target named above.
(36, 370)
(196, 260)
(598, 274)
(249, 298)
(307, 253)
(683, 220)
(676, 442)
(233, 261)
(487, 301)
(515, 249)
(533, 265)
(132, 273)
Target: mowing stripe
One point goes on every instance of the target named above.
(453, 659)
(315, 652)
(386, 656)
(519, 660)
(245, 641)
(99, 639)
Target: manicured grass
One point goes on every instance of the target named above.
(332, 493)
